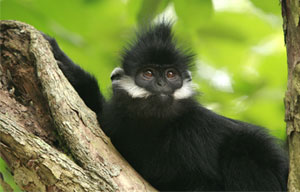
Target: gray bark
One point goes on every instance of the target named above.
(291, 27)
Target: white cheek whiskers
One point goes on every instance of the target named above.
(127, 83)
(186, 91)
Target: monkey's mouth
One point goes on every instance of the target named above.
(160, 95)
(160, 99)
(156, 106)
(164, 97)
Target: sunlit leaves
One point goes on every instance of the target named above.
(5, 174)
(268, 6)
(193, 13)
(149, 9)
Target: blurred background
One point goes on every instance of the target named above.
(241, 66)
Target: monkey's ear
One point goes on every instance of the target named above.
(188, 75)
(116, 74)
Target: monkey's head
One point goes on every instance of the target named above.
(155, 72)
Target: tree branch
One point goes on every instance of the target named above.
(291, 27)
(37, 104)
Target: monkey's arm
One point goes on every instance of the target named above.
(84, 83)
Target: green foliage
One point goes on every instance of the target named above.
(268, 7)
(241, 62)
(7, 177)
(192, 12)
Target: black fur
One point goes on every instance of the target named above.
(179, 145)
(155, 45)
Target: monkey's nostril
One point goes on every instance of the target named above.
(161, 83)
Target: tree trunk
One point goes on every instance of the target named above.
(50, 140)
(291, 27)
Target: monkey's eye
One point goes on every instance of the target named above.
(148, 73)
(171, 74)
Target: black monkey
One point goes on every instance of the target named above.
(176, 144)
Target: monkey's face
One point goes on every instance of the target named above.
(160, 82)
(154, 89)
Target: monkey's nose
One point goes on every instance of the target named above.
(161, 83)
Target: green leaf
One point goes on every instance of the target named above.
(267, 6)
(8, 178)
(193, 13)
(227, 38)
(149, 9)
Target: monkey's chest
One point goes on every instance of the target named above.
(165, 154)
(162, 160)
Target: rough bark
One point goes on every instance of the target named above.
(50, 140)
(291, 27)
